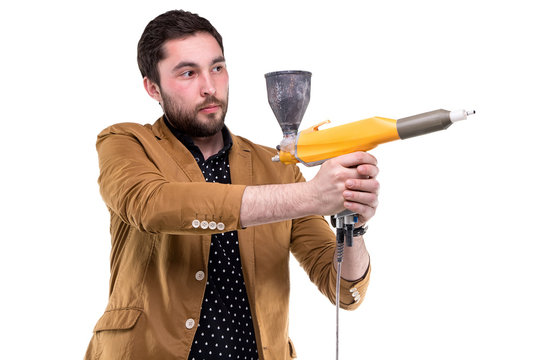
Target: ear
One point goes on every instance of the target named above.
(152, 89)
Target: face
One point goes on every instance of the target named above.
(194, 85)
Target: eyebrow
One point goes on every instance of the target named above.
(192, 64)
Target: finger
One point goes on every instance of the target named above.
(365, 213)
(344, 174)
(367, 170)
(363, 198)
(363, 185)
(356, 158)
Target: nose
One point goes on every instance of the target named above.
(208, 87)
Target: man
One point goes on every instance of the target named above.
(202, 221)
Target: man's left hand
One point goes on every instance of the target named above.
(362, 195)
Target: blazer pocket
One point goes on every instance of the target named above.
(119, 319)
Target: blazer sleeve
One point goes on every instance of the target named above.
(313, 244)
(134, 188)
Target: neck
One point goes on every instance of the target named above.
(209, 145)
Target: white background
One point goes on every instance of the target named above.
(455, 242)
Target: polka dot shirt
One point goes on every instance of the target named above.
(225, 329)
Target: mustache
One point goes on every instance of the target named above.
(211, 100)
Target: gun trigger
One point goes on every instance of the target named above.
(316, 127)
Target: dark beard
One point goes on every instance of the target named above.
(186, 121)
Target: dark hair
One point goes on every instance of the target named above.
(174, 24)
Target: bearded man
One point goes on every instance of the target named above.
(203, 222)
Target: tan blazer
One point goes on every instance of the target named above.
(154, 191)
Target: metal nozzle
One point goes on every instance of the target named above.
(288, 95)
(429, 122)
(458, 115)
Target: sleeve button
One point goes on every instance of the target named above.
(220, 226)
(204, 224)
(212, 225)
(195, 223)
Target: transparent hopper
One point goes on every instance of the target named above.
(288, 96)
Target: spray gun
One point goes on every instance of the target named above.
(289, 95)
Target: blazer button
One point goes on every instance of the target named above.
(195, 223)
(199, 275)
(212, 225)
(220, 226)
(190, 323)
(204, 224)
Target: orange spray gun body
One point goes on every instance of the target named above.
(313, 146)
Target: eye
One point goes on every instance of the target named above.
(187, 74)
(218, 68)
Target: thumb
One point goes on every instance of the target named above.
(356, 158)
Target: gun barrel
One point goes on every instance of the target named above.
(428, 122)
